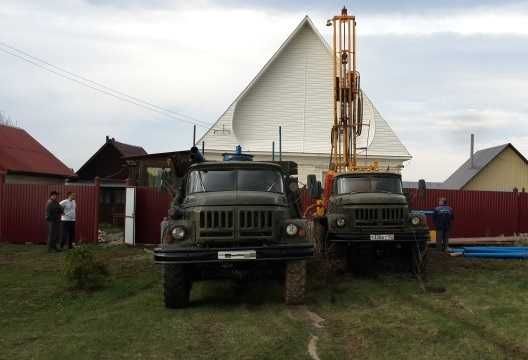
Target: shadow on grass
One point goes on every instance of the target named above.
(232, 294)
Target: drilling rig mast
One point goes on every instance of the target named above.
(348, 98)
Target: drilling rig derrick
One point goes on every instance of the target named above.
(348, 98)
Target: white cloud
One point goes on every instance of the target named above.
(491, 21)
(474, 119)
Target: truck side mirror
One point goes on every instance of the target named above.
(293, 185)
(407, 195)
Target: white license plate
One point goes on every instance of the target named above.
(237, 255)
(381, 236)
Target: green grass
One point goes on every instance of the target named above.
(483, 314)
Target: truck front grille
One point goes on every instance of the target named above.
(244, 224)
(215, 223)
(255, 222)
(381, 216)
(392, 215)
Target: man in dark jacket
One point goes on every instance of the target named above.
(442, 218)
(53, 217)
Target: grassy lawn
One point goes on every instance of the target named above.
(482, 314)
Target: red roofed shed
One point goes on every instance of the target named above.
(24, 160)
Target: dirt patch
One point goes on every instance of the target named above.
(303, 313)
(353, 345)
(314, 321)
(312, 347)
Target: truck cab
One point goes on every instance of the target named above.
(370, 210)
(232, 219)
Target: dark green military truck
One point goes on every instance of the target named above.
(368, 215)
(233, 219)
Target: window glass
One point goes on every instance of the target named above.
(229, 180)
(156, 175)
(383, 184)
(347, 185)
(211, 180)
(260, 180)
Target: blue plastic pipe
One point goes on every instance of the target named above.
(498, 255)
(490, 249)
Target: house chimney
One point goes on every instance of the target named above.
(472, 151)
(107, 138)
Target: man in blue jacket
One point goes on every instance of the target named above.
(442, 218)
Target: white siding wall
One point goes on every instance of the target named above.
(295, 93)
(221, 135)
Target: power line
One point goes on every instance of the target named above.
(99, 87)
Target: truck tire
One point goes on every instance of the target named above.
(295, 282)
(337, 259)
(176, 286)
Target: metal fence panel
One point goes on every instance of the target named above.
(478, 213)
(23, 206)
(151, 207)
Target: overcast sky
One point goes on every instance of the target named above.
(436, 71)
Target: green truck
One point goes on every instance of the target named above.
(234, 219)
(368, 216)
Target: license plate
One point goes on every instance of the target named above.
(381, 236)
(237, 255)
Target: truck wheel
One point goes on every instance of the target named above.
(176, 286)
(295, 284)
(337, 258)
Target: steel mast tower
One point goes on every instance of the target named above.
(348, 112)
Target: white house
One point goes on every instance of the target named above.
(294, 90)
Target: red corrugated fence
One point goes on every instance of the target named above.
(479, 213)
(22, 211)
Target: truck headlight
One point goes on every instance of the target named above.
(415, 220)
(340, 222)
(291, 229)
(178, 233)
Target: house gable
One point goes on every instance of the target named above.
(108, 162)
(294, 91)
(506, 171)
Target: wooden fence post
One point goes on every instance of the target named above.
(97, 183)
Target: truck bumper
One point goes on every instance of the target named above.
(175, 255)
(364, 237)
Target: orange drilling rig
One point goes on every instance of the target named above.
(363, 210)
(348, 108)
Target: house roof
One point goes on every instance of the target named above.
(21, 153)
(300, 101)
(125, 150)
(157, 155)
(481, 159)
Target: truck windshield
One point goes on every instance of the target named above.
(235, 179)
(347, 185)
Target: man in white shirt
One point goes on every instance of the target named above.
(68, 220)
